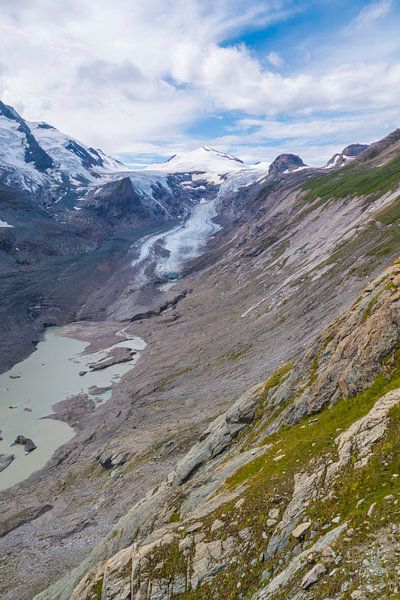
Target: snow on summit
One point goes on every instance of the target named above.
(203, 159)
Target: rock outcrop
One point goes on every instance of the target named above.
(28, 444)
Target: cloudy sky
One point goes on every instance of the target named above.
(144, 79)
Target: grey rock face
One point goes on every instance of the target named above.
(218, 436)
(355, 149)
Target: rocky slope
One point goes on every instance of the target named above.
(295, 488)
(294, 253)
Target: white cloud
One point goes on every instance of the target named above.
(275, 59)
(129, 75)
(373, 12)
(102, 70)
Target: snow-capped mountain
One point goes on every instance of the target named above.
(71, 157)
(203, 159)
(207, 166)
(83, 187)
(35, 155)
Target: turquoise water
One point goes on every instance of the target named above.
(47, 376)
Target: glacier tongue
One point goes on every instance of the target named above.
(188, 241)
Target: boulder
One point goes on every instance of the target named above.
(5, 461)
(300, 530)
(26, 442)
(273, 513)
(312, 576)
(111, 460)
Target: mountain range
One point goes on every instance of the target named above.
(252, 451)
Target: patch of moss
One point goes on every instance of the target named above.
(313, 370)
(167, 562)
(174, 518)
(276, 379)
(233, 355)
(99, 589)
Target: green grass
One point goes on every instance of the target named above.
(370, 484)
(174, 518)
(389, 215)
(306, 439)
(99, 589)
(354, 181)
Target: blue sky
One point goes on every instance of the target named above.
(254, 78)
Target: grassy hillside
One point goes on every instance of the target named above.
(355, 180)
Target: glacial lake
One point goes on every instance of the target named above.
(29, 390)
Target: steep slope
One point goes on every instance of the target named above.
(297, 480)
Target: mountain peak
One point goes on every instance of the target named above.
(285, 162)
(35, 153)
(348, 154)
(202, 159)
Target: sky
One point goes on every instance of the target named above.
(144, 80)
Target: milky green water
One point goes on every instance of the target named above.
(48, 376)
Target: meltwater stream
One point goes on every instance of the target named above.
(30, 389)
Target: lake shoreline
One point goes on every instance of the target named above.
(84, 361)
